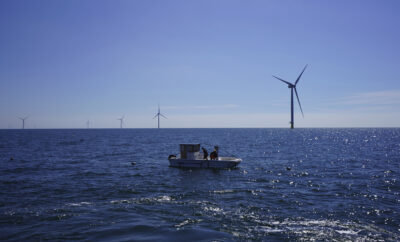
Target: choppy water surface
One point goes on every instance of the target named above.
(297, 184)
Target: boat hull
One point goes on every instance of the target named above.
(222, 162)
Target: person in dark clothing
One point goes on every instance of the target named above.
(214, 154)
(205, 153)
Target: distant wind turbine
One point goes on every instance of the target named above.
(293, 86)
(121, 121)
(23, 121)
(87, 123)
(158, 115)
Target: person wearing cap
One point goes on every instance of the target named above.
(214, 154)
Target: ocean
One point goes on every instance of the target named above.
(116, 185)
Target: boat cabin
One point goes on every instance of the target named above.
(190, 151)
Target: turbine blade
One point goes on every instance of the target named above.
(290, 84)
(295, 90)
(163, 115)
(155, 116)
(298, 78)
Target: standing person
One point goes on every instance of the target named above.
(205, 153)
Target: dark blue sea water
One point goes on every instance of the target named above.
(302, 184)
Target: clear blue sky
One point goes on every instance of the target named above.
(208, 63)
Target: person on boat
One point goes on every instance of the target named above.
(205, 153)
(214, 154)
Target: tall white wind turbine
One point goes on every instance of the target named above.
(293, 87)
(158, 115)
(23, 121)
(121, 121)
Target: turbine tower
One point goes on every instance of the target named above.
(158, 115)
(121, 121)
(87, 124)
(293, 87)
(23, 121)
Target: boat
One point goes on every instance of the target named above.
(190, 157)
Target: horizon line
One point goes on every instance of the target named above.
(349, 127)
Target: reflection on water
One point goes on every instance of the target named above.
(302, 184)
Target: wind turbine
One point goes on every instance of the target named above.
(158, 115)
(293, 87)
(121, 121)
(87, 123)
(23, 121)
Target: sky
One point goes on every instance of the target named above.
(208, 64)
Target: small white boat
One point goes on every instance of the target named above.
(190, 157)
